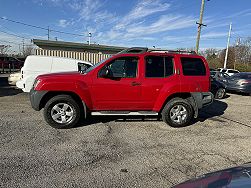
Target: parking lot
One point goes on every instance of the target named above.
(118, 152)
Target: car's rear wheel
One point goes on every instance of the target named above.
(62, 112)
(177, 112)
(220, 94)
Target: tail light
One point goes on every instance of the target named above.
(246, 82)
(242, 82)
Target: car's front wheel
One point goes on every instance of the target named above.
(62, 112)
(177, 112)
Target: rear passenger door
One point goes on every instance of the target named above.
(159, 74)
(194, 77)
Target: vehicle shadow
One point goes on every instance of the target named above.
(106, 119)
(3, 81)
(227, 96)
(215, 109)
(6, 89)
(9, 91)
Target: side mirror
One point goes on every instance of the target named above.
(105, 73)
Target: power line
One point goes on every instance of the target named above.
(39, 27)
(11, 42)
(15, 35)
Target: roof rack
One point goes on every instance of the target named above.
(139, 50)
(172, 51)
(134, 50)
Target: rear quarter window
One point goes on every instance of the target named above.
(232, 71)
(193, 66)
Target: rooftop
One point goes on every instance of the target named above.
(71, 46)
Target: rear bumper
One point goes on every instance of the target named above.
(35, 98)
(243, 89)
(203, 99)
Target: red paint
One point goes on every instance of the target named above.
(132, 94)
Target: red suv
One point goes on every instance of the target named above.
(137, 81)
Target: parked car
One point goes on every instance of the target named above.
(235, 177)
(213, 73)
(13, 78)
(230, 72)
(136, 81)
(218, 89)
(219, 76)
(37, 65)
(10, 63)
(240, 82)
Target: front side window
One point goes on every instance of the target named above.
(124, 67)
(193, 66)
(158, 67)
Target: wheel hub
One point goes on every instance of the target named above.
(62, 113)
(178, 114)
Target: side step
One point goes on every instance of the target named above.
(124, 113)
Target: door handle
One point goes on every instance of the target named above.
(135, 84)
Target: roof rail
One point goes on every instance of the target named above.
(172, 51)
(140, 50)
(134, 50)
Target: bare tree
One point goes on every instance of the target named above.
(4, 49)
(230, 59)
(28, 50)
(243, 52)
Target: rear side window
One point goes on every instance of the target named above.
(232, 71)
(193, 66)
(158, 67)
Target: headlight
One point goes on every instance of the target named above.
(37, 81)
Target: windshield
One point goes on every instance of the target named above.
(96, 65)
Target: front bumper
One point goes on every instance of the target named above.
(35, 98)
(20, 84)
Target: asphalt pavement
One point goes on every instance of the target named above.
(115, 152)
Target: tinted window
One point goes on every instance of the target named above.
(158, 67)
(82, 67)
(224, 70)
(232, 71)
(193, 67)
(169, 70)
(125, 67)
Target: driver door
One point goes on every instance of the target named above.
(117, 85)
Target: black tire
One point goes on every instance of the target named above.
(61, 100)
(171, 105)
(220, 94)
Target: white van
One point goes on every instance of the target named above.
(37, 65)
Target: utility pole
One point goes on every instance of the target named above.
(228, 41)
(23, 46)
(89, 35)
(48, 32)
(200, 24)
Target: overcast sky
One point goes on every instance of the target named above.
(160, 23)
